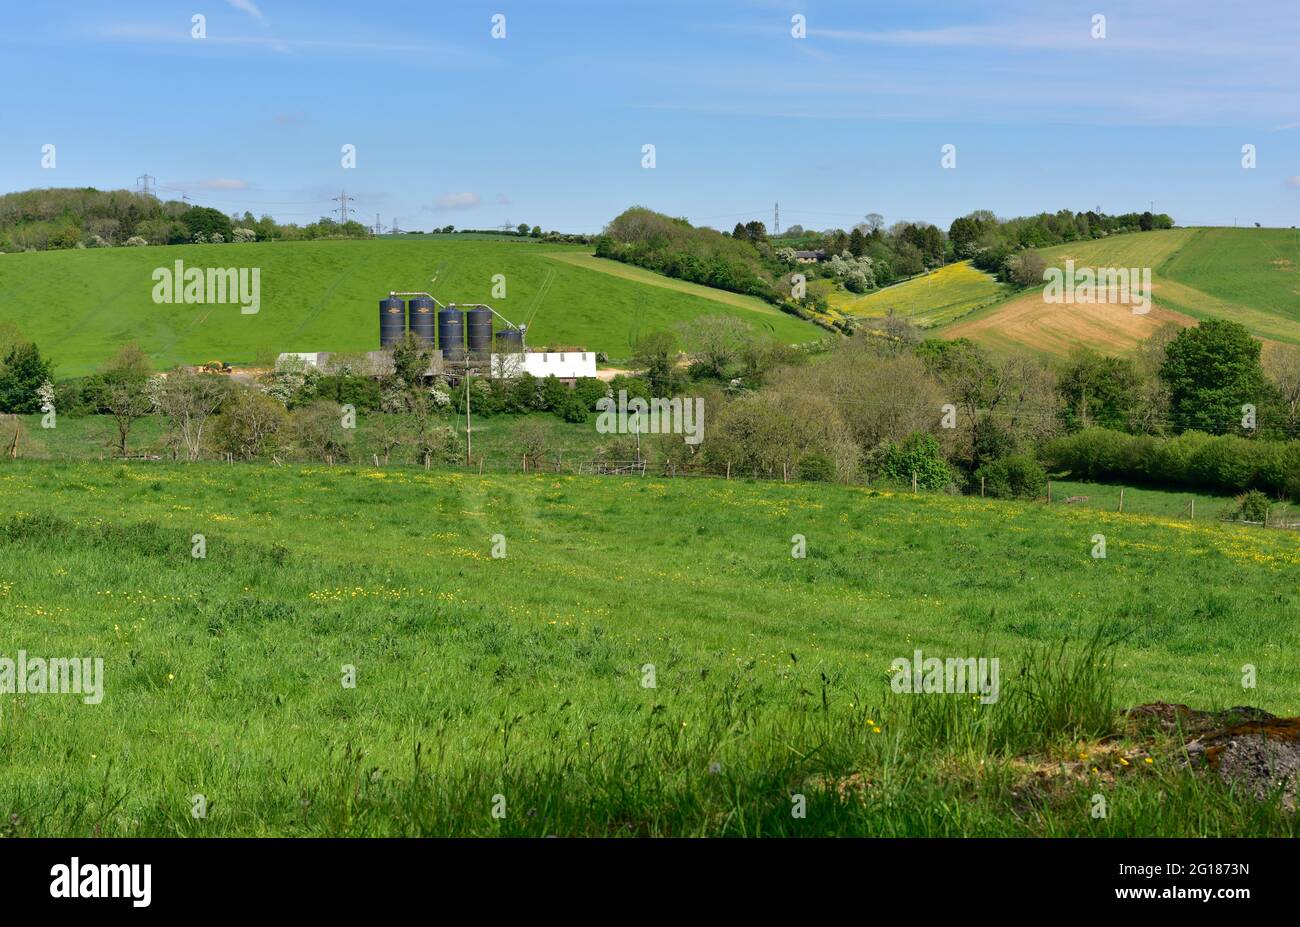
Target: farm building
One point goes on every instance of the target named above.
(809, 257)
(565, 366)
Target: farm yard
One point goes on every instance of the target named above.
(525, 675)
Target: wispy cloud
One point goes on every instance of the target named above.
(249, 7)
(134, 32)
(213, 183)
(448, 201)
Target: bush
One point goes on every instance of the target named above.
(22, 371)
(1225, 463)
(251, 424)
(1251, 506)
(919, 454)
(816, 468)
(1017, 476)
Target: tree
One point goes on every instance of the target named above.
(857, 243)
(1282, 364)
(656, 354)
(251, 423)
(522, 228)
(1099, 390)
(531, 438)
(317, 431)
(124, 391)
(1026, 269)
(1212, 370)
(188, 400)
(22, 372)
(410, 361)
(713, 341)
(205, 221)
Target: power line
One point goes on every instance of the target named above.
(342, 210)
(145, 184)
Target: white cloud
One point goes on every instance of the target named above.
(249, 7)
(1293, 181)
(457, 201)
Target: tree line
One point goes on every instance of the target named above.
(868, 256)
(61, 218)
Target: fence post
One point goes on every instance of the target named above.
(728, 469)
(1193, 508)
(525, 463)
(913, 481)
(981, 487)
(783, 472)
(1121, 498)
(1049, 492)
(376, 459)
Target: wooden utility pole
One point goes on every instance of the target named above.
(469, 437)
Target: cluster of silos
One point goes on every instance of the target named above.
(456, 330)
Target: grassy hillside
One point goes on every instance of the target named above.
(929, 300)
(322, 296)
(525, 676)
(1251, 276)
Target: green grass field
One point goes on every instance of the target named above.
(930, 300)
(520, 682)
(79, 306)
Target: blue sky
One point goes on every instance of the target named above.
(546, 126)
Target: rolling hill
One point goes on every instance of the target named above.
(1251, 276)
(930, 300)
(80, 305)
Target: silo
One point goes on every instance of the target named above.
(510, 341)
(451, 334)
(392, 321)
(421, 311)
(478, 325)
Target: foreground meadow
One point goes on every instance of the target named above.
(647, 658)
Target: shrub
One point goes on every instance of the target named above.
(919, 454)
(22, 371)
(251, 424)
(816, 467)
(1017, 476)
(1251, 506)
